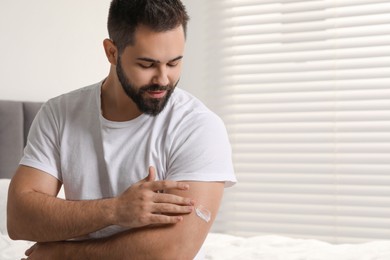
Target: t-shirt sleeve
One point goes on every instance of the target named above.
(201, 151)
(42, 147)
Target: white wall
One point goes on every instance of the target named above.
(52, 47)
(195, 70)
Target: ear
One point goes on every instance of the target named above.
(111, 51)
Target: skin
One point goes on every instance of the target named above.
(163, 225)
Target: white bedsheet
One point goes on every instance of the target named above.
(220, 246)
(225, 247)
(12, 250)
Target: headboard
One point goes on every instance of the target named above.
(15, 121)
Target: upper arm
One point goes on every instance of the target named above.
(42, 149)
(192, 231)
(206, 194)
(201, 152)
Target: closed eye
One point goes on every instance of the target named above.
(146, 65)
(173, 63)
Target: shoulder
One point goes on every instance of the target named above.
(74, 102)
(187, 107)
(79, 96)
(69, 106)
(183, 99)
(187, 116)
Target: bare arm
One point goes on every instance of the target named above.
(34, 213)
(179, 241)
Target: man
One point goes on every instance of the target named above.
(100, 142)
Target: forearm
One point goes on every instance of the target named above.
(34, 212)
(40, 217)
(144, 243)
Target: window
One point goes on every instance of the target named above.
(304, 90)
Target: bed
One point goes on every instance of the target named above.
(15, 120)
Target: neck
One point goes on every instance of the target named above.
(115, 104)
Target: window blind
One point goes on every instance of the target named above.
(304, 90)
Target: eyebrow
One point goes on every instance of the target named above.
(157, 61)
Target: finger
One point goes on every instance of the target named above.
(30, 250)
(172, 199)
(151, 175)
(165, 185)
(166, 208)
(164, 219)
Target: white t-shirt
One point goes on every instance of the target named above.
(96, 158)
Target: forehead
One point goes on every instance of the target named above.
(162, 46)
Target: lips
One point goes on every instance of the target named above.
(157, 94)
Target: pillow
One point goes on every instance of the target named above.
(4, 183)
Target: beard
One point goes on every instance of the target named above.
(150, 106)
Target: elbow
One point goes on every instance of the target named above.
(12, 232)
(13, 216)
(13, 235)
(17, 227)
(12, 229)
(16, 233)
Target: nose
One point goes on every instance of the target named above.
(161, 77)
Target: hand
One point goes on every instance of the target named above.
(44, 251)
(143, 203)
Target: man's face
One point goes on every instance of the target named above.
(150, 99)
(150, 69)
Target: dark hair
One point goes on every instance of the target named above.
(160, 15)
